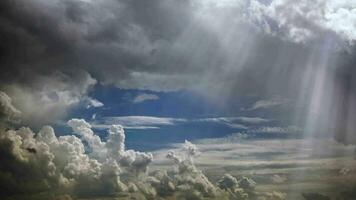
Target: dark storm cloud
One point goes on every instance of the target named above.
(221, 49)
(158, 45)
(101, 37)
(133, 44)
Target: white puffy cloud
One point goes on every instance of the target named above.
(115, 142)
(93, 103)
(145, 97)
(190, 181)
(65, 162)
(305, 20)
(83, 129)
(114, 148)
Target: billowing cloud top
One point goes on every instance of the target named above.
(7, 110)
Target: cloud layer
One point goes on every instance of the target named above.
(41, 164)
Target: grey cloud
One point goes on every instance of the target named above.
(163, 45)
(8, 112)
(317, 196)
(47, 98)
(278, 178)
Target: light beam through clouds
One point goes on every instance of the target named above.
(269, 73)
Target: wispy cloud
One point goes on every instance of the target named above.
(152, 122)
(267, 103)
(145, 97)
(236, 122)
(253, 120)
(106, 126)
(276, 129)
(137, 122)
(93, 103)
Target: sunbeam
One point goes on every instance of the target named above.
(178, 99)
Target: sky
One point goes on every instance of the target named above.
(213, 72)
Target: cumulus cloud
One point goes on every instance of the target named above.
(85, 165)
(7, 110)
(231, 184)
(60, 163)
(305, 20)
(145, 97)
(191, 182)
(113, 148)
(83, 129)
(47, 98)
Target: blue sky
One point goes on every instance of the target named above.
(154, 120)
